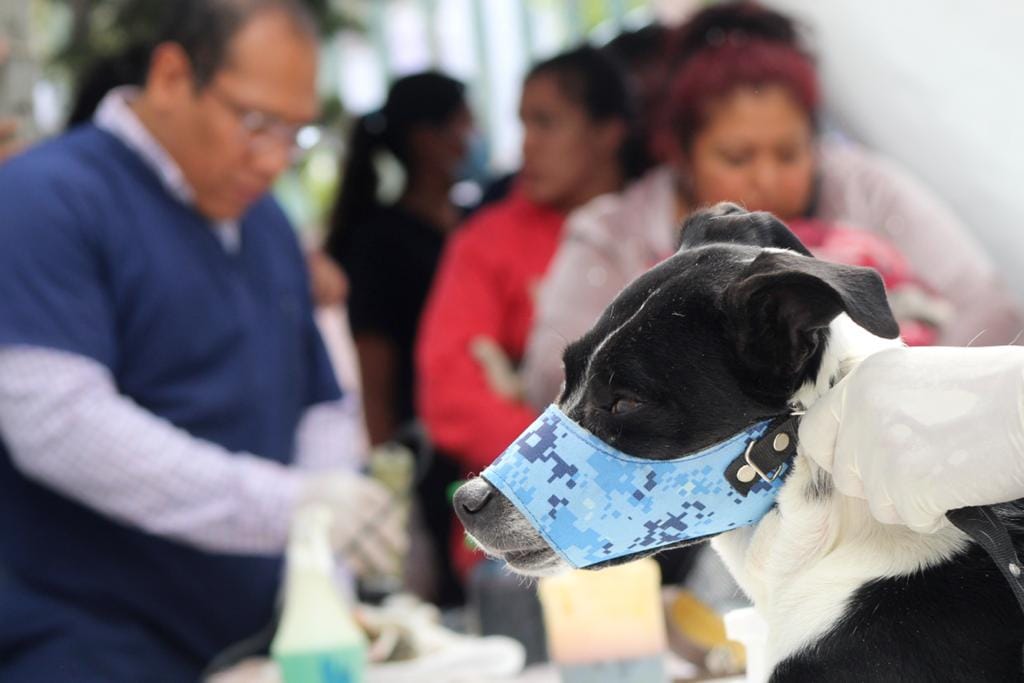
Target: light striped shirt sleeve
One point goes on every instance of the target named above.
(332, 436)
(67, 427)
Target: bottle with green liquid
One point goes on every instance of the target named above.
(394, 467)
(317, 640)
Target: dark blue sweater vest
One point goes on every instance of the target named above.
(97, 259)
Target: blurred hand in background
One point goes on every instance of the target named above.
(8, 124)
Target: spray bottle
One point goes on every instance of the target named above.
(317, 640)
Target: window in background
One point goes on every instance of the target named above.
(489, 44)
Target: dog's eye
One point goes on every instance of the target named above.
(625, 405)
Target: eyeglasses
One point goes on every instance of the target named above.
(262, 131)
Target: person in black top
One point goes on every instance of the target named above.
(390, 252)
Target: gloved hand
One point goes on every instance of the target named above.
(921, 431)
(368, 527)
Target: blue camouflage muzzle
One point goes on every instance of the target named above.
(593, 503)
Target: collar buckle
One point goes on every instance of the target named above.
(747, 472)
(765, 458)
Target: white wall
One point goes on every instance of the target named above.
(937, 85)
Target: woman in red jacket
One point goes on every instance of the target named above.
(576, 116)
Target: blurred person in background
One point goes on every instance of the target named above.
(166, 402)
(642, 56)
(742, 116)
(576, 115)
(128, 67)
(9, 123)
(390, 252)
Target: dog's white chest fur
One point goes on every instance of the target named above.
(803, 562)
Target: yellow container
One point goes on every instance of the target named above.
(606, 625)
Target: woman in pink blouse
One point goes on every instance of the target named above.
(741, 122)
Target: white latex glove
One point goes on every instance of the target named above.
(921, 431)
(368, 528)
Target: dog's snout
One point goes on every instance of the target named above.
(473, 496)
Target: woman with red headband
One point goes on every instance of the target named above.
(741, 124)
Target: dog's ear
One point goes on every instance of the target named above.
(727, 223)
(782, 303)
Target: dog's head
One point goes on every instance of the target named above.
(722, 334)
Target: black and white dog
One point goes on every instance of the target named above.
(742, 322)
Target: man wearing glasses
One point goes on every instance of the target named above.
(165, 399)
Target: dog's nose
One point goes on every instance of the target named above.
(473, 496)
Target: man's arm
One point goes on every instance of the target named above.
(65, 424)
(332, 436)
(67, 427)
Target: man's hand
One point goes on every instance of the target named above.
(368, 527)
(918, 432)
